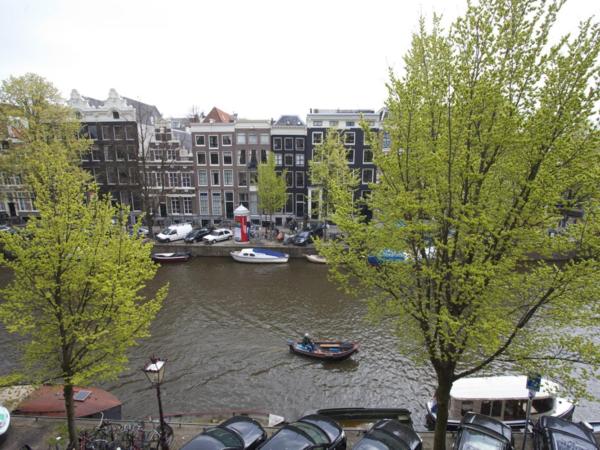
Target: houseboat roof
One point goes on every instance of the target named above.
(498, 388)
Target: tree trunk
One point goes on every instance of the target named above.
(442, 395)
(70, 407)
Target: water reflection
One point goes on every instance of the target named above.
(223, 330)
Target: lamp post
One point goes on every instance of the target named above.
(155, 372)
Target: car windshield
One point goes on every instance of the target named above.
(368, 443)
(227, 437)
(566, 442)
(165, 231)
(473, 440)
(316, 434)
(288, 439)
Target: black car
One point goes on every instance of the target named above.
(236, 433)
(310, 432)
(481, 432)
(302, 238)
(197, 234)
(389, 434)
(552, 433)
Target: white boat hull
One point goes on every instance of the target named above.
(259, 259)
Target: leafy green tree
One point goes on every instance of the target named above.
(34, 110)
(271, 188)
(329, 168)
(491, 135)
(78, 273)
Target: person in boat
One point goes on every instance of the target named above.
(307, 342)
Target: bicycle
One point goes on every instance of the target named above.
(135, 437)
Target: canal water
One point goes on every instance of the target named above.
(223, 329)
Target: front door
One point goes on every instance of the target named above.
(12, 209)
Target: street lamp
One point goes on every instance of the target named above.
(155, 372)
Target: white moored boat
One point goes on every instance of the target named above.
(504, 398)
(318, 259)
(259, 255)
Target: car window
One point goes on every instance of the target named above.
(316, 434)
(165, 231)
(562, 442)
(367, 443)
(288, 439)
(227, 437)
(472, 440)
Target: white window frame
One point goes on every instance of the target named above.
(364, 152)
(218, 210)
(203, 211)
(364, 172)
(230, 154)
(252, 139)
(197, 138)
(314, 135)
(299, 160)
(205, 159)
(278, 159)
(353, 150)
(299, 185)
(216, 136)
(285, 141)
(200, 183)
(212, 172)
(226, 136)
(210, 158)
(175, 201)
(186, 179)
(240, 138)
(225, 173)
(288, 160)
(277, 144)
(187, 205)
(263, 139)
(301, 146)
(348, 134)
(239, 153)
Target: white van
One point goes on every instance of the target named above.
(174, 232)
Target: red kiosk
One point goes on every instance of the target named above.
(242, 216)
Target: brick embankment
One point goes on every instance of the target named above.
(41, 433)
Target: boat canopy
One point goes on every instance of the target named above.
(498, 388)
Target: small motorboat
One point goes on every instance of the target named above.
(504, 398)
(387, 256)
(318, 259)
(49, 401)
(171, 257)
(325, 350)
(259, 255)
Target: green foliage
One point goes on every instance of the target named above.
(271, 187)
(491, 138)
(328, 169)
(77, 278)
(33, 109)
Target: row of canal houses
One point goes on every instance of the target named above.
(199, 169)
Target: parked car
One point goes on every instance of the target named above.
(477, 431)
(317, 228)
(552, 433)
(220, 234)
(390, 434)
(142, 231)
(302, 238)
(7, 228)
(197, 234)
(236, 433)
(310, 432)
(174, 232)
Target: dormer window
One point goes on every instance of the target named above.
(115, 114)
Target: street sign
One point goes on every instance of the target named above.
(533, 382)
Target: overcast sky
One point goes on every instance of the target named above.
(258, 58)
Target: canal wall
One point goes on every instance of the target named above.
(224, 248)
(42, 433)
